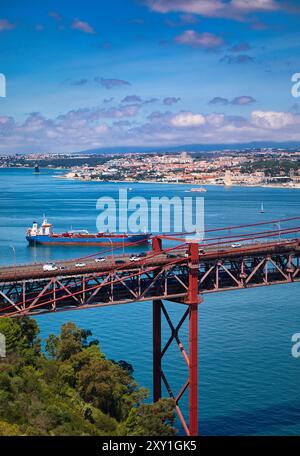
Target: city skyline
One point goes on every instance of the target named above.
(156, 73)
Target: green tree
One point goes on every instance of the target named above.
(73, 390)
(9, 429)
(12, 333)
(150, 420)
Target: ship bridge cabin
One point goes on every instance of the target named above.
(44, 230)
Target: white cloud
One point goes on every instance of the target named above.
(205, 7)
(200, 40)
(55, 15)
(273, 119)
(4, 119)
(82, 26)
(235, 9)
(102, 128)
(188, 119)
(215, 120)
(6, 25)
(243, 100)
(255, 5)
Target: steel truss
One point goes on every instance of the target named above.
(182, 280)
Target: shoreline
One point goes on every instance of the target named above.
(32, 168)
(65, 176)
(286, 187)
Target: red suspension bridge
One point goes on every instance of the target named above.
(182, 274)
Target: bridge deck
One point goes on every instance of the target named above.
(159, 275)
(122, 262)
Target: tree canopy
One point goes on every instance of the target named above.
(71, 388)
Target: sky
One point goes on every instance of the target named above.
(93, 74)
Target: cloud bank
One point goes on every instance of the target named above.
(234, 9)
(88, 128)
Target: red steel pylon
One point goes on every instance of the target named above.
(192, 358)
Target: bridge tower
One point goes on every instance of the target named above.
(191, 359)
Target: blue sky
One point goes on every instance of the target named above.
(97, 73)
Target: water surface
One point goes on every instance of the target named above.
(249, 382)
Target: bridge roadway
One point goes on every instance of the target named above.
(122, 262)
(170, 275)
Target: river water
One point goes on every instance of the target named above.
(249, 382)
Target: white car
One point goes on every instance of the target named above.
(80, 265)
(50, 267)
(134, 258)
(236, 245)
(99, 260)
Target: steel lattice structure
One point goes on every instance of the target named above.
(183, 277)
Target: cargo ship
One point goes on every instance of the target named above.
(44, 235)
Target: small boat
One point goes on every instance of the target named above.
(36, 169)
(44, 235)
(198, 189)
(262, 211)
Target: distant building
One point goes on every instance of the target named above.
(227, 178)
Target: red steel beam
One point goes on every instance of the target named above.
(234, 227)
(156, 350)
(193, 369)
(157, 244)
(240, 237)
(156, 247)
(193, 301)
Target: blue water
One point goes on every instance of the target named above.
(249, 382)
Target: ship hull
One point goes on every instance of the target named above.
(88, 241)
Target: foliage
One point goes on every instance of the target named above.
(72, 389)
(150, 419)
(271, 166)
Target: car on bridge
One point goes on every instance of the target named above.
(50, 267)
(171, 255)
(80, 265)
(134, 258)
(100, 260)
